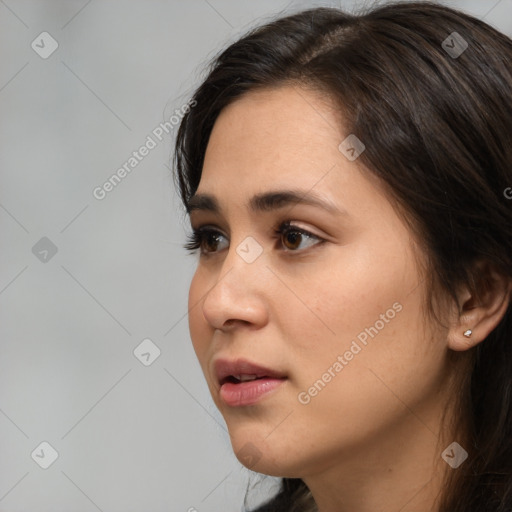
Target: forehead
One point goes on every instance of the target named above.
(272, 136)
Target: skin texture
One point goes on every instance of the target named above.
(371, 438)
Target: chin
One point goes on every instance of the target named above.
(262, 455)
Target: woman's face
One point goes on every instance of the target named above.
(334, 316)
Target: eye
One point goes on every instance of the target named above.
(294, 235)
(207, 239)
(201, 237)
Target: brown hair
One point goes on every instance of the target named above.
(437, 127)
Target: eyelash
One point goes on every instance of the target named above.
(197, 237)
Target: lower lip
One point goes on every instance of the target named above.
(247, 393)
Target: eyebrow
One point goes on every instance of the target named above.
(266, 202)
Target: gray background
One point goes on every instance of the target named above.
(129, 437)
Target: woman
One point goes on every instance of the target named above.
(346, 181)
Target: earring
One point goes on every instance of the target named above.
(468, 333)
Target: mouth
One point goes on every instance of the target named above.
(244, 383)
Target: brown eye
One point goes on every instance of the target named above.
(205, 239)
(293, 236)
(211, 240)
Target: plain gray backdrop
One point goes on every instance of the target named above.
(85, 280)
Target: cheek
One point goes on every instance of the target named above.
(198, 327)
(366, 308)
(380, 358)
(346, 295)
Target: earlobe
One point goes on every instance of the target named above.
(481, 314)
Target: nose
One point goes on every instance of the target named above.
(237, 297)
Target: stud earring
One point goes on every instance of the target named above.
(468, 333)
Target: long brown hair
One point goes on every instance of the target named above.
(434, 110)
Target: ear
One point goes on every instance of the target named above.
(480, 314)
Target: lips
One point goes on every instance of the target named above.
(242, 370)
(244, 383)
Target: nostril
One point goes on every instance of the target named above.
(232, 321)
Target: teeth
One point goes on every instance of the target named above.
(245, 378)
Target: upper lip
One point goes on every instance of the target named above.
(225, 368)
